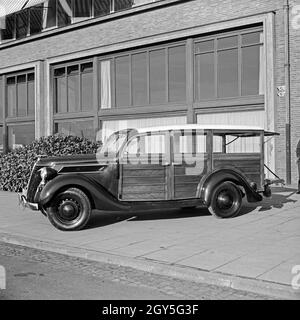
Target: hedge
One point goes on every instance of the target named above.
(15, 166)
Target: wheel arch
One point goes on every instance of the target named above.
(210, 181)
(99, 197)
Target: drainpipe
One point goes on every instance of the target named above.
(287, 66)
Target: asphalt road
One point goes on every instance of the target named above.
(40, 275)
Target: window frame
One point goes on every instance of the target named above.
(216, 100)
(79, 63)
(15, 75)
(112, 57)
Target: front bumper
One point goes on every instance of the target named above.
(23, 201)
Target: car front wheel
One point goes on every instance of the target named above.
(226, 201)
(70, 210)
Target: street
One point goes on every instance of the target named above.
(35, 274)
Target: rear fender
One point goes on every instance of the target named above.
(101, 198)
(210, 181)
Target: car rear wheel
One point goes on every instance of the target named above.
(226, 201)
(70, 210)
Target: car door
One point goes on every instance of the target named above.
(145, 168)
(189, 162)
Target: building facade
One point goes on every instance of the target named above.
(80, 66)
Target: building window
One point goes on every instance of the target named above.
(149, 77)
(20, 91)
(79, 128)
(73, 88)
(35, 18)
(229, 66)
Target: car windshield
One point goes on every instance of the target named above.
(113, 144)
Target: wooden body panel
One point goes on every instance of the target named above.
(141, 181)
(248, 164)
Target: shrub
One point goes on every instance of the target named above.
(15, 166)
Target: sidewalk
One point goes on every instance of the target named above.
(255, 251)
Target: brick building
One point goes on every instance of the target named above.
(77, 66)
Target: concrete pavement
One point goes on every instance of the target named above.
(255, 251)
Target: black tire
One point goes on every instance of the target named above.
(70, 210)
(226, 201)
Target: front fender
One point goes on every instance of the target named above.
(102, 199)
(210, 181)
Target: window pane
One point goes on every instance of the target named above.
(49, 10)
(252, 38)
(61, 94)
(157, 76)
(87, 91)
(105, 83)
(228, 73)
(11, 97)
(122, 81)
(252, 71)
(1, 103)
(36, 19)
(64, 12)
(83, 129)
(21, 24)
(22, 95)
(139, 79)
(59, 72)
(101, 7)
(73, 93)
(8, 32)
(228, 42)
(21, 135)
(177, 74)
(1, 139)
(205, 76)
(123, 4)
(31, 94)
(204, 46)
(82, 9)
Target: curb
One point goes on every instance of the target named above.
(261, 287)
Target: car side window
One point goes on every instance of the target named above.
(146, 144)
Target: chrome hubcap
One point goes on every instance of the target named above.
(225, 200)
(69, 209)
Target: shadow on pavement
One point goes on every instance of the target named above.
(280, 197)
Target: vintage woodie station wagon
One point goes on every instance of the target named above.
(154, 168)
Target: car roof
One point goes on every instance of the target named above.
(229, 128)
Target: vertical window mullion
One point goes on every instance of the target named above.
(148, 77)
(167, 73)
(80, 88)
(27, 96)
(216, 68)
(16, 96)
(130, 81)
(66, 88)
(240, 64)
(113, 77)
(112, 5)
